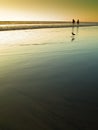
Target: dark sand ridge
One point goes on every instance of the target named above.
(20, 25)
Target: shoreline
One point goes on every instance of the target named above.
(40, 26)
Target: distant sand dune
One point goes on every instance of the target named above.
(20, 25)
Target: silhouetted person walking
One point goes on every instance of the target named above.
(73, 21)
(78, 21)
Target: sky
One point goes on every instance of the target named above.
(44, 10)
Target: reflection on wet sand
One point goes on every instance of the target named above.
(52, 86)
(74, 33)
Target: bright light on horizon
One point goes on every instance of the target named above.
(11, 14)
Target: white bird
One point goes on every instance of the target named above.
(73, 33)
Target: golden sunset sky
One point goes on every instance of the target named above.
(44, 10)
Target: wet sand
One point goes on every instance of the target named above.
(49, 81)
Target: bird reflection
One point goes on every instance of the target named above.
(72, 39)
(74, 34)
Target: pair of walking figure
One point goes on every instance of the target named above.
(73, 21)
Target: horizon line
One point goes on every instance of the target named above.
(43, 21)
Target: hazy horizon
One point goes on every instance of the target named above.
(50, 21)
